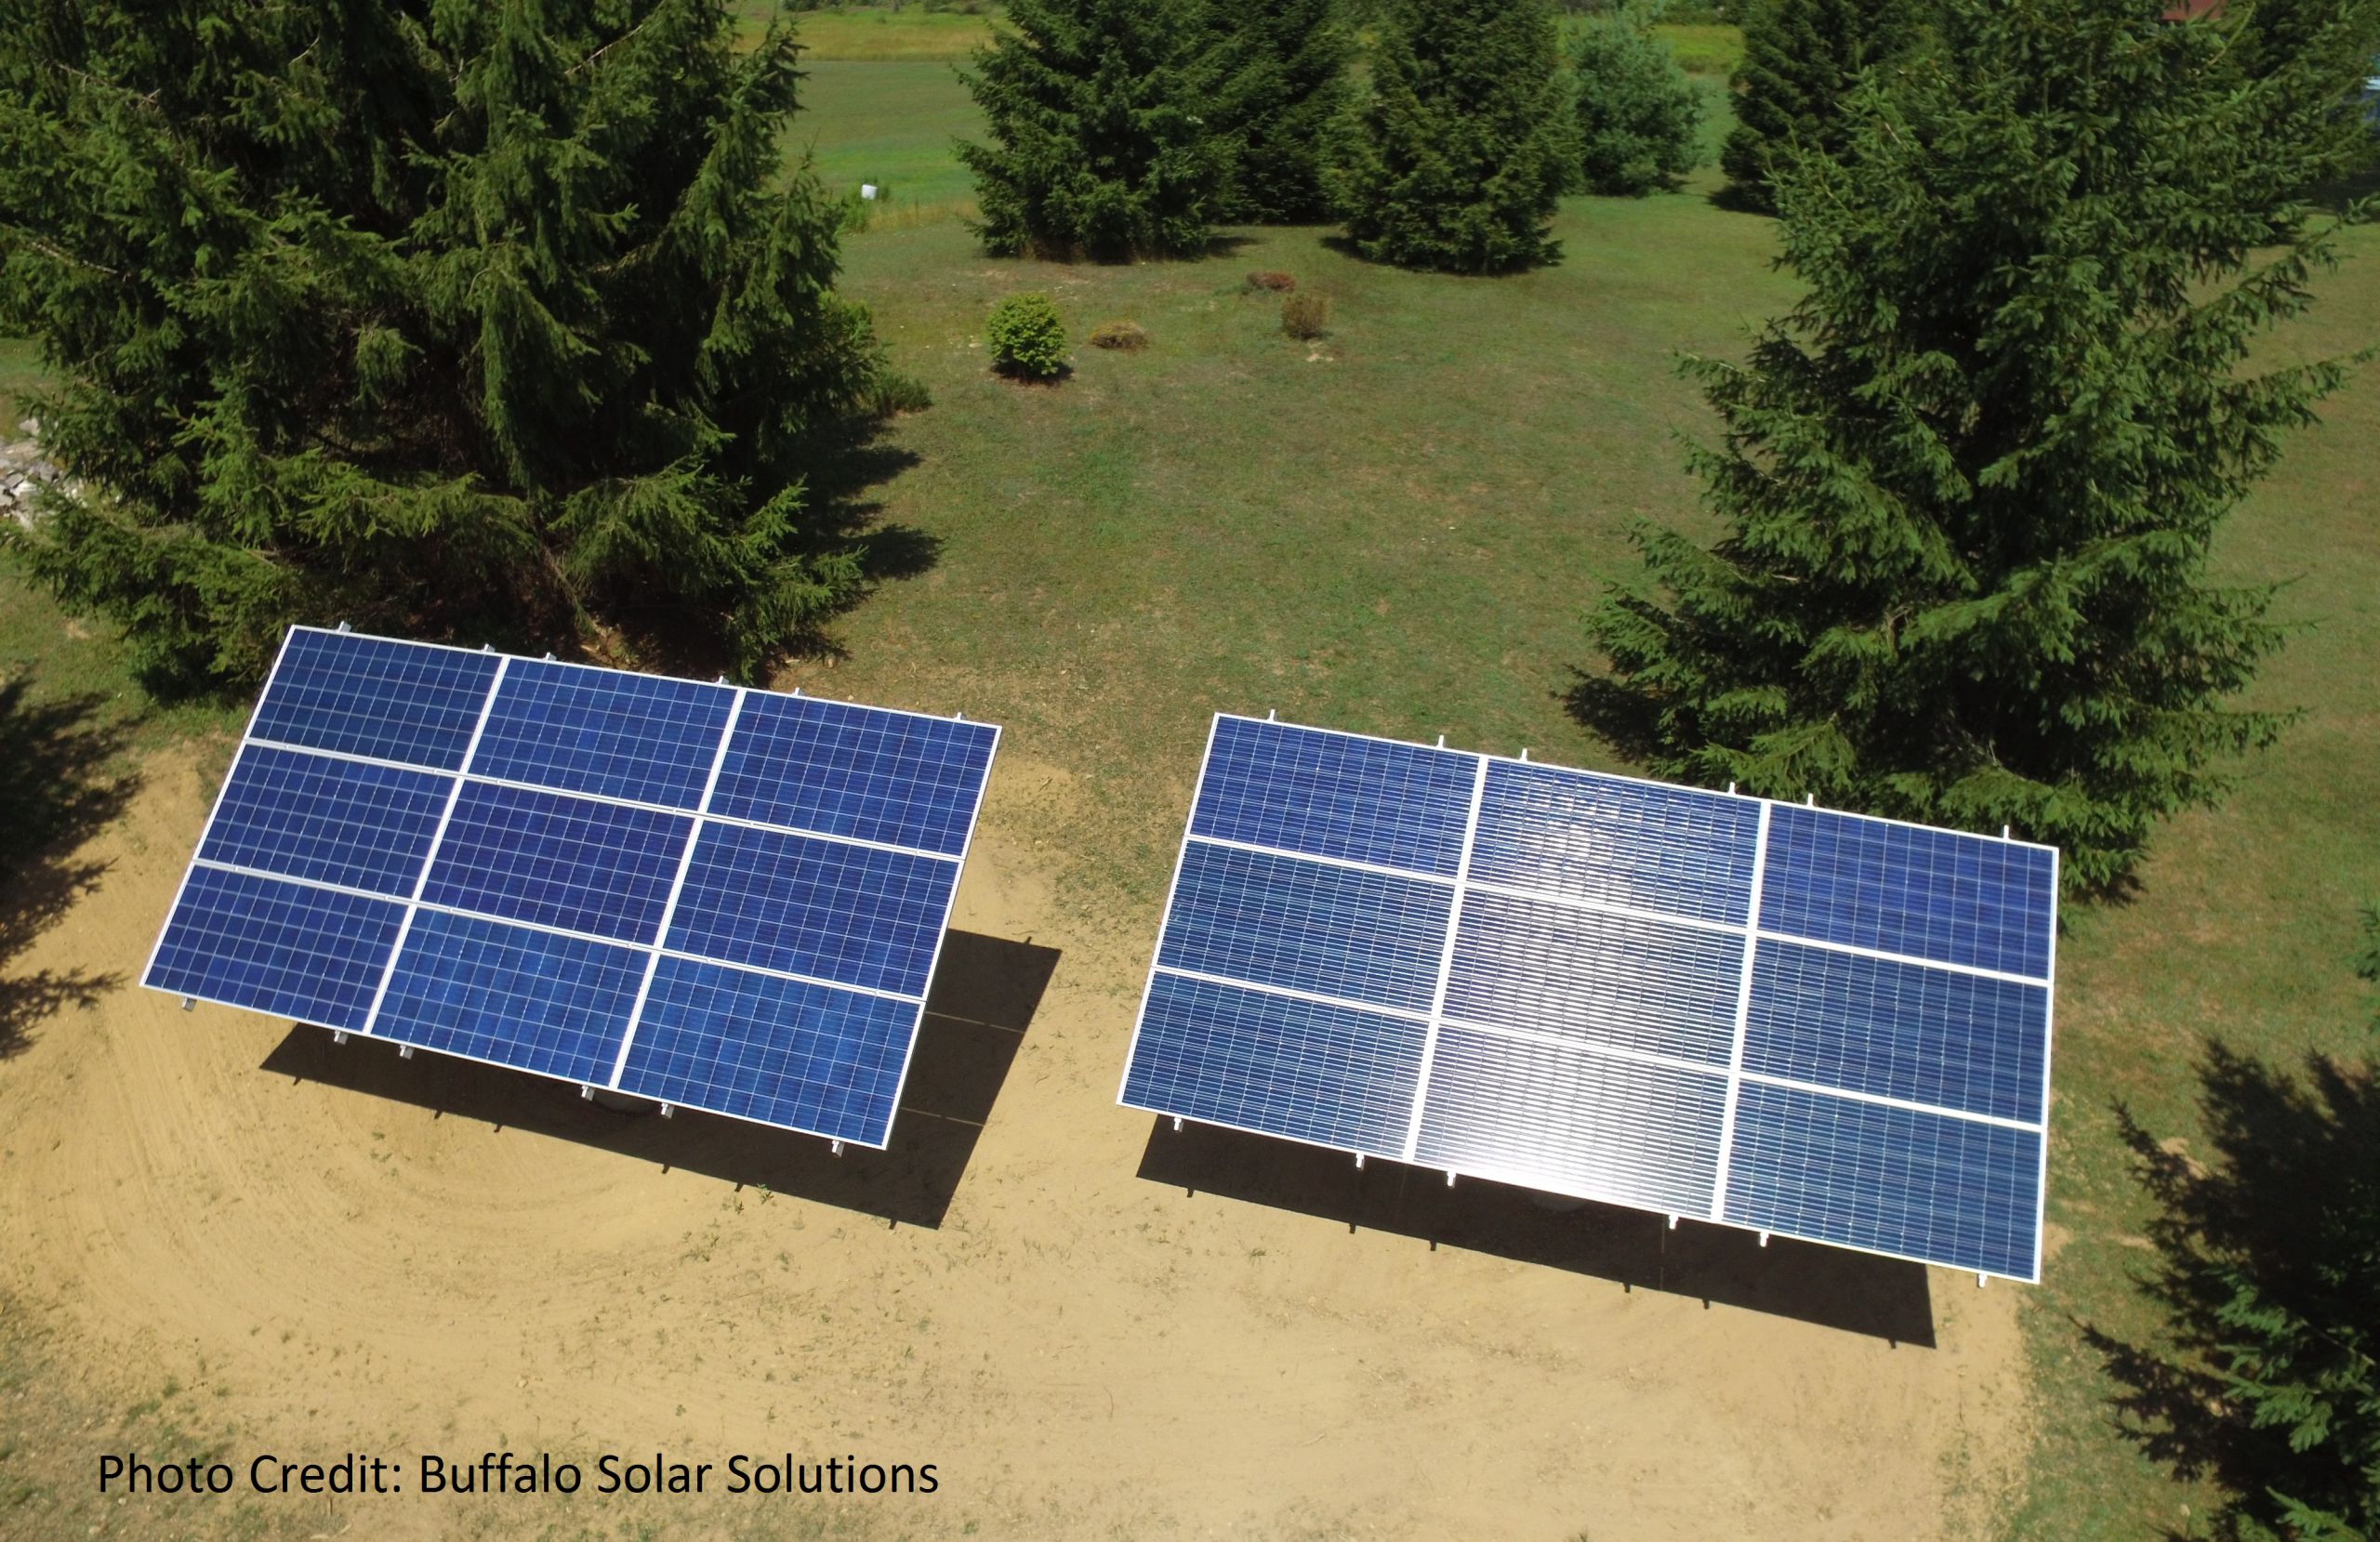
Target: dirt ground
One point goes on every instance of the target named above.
(1092, 1325)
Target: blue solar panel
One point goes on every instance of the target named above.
(1615, 1129)
(1342, 931)
(1332, 795)
(776, 1050)
(856, 915)
(336, 822)
(1607, 980)
(1599, 1010)
(1956, 899)
(857, 772)
(557, 860)
(1928, 1035)
(1629, 843)
(539, 879)
(639, 738)
(273, 946)
(520, 997)
(1337, 1075)
(360, 695)
(1891, 1179)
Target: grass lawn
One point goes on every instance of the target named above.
(876, 34)
(1704, 48)
(891, 125)
(1399, 530)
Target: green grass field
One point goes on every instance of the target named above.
(875, 34)
(1399, 530)
(891, 125)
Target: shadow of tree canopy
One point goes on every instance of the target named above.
(2267, 1272)
(62, 757)
(842, 463)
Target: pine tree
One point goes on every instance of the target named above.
(1463, 143)
(1802, 59)
(1638, 111)
(1968, 486)
(1099, 143)
(1279, 72)
(2268, 1271)
(493, 320)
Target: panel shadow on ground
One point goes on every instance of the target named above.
(1887, 1298)
(984, 998)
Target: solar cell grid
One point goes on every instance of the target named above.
(275, 946)
(1933, 894)
(526, 894)
(778, 1051)
(335, 821)
(895, 778)
(360, 696)
(1334, 1075)
(467, 985)
(1609, 980)
(1594, 1124)
(557, 860)
(854, 915)
(639, 738)
(1957, 1041)
(1608, 1022)
(1671, 849)
(1895, 1180)
(1361, 936)
(1332, 795)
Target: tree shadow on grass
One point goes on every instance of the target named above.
(1887, 1298)
(2265, 1206)
(1622, 715)
(986, 992)
(62, 757)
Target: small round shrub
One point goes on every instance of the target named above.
(1132, 337)
(1307, 316)
(1278, 283)
(1027, 338)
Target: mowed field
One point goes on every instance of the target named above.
(226, 1235)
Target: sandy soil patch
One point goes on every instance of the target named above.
(1092, 1325)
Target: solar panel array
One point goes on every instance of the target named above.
(713, 897)
(1770, 1016)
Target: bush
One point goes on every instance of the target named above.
(1305, 316)
(1638, 111)
(1280, 283)
(1027, 338)
(1128, 335)
(892, 392)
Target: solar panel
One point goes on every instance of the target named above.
(714, 897)
(1764, 1015)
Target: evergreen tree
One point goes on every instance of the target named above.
(1969, 484)
(1802, 59)
(1099, 143)
(499, 319)
(1638, 111)
(2267, 1270)
(1464, 141)
(1279, 73)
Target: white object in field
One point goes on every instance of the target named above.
(867, 191)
